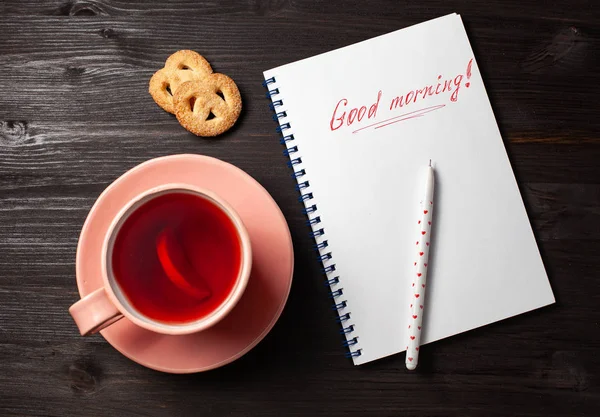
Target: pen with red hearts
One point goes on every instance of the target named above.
(419, 275)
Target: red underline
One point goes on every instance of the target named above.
(402, 117)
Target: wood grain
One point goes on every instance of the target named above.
(75, 114)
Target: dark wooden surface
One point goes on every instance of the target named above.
(75, 114)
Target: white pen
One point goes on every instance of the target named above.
(418, 279)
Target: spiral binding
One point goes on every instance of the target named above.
(324, 256)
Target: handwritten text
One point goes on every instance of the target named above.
(346, 114)
(339, 114)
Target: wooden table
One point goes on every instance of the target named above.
(75, 114)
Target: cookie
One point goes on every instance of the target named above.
(182, 66)
(209, 107)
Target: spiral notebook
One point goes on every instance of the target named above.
(357, 124)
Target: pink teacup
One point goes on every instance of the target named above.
(108, 304)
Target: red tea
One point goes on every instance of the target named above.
(177, 257)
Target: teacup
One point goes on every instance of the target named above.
(175, 260)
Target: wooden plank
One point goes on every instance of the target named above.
(579, 10)
(38, 156)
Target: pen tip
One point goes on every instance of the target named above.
(430, 162)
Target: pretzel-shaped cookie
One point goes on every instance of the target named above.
(195, 102)
(180, 67)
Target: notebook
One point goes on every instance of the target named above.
(357, 124)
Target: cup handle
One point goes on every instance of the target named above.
(94, 312)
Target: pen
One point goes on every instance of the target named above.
(419, 275)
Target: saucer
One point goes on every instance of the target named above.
(268, 288)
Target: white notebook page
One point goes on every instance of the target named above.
(484, 263)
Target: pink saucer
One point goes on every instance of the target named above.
(266, 293)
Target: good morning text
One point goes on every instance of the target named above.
(348, 114)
